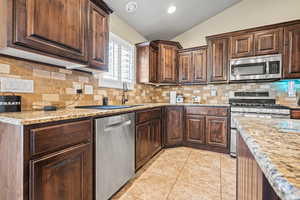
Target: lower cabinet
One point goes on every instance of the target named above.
(198, 127)
(195, 129)
(216, 131)
(173, 125)
(251, 182)
(65, 175)
(59, 161)
(148, 136)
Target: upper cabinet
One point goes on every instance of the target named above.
(218, 60)
(55, 32)
(147, 62)
(292, 51)
(167, 67)
(257, 43)
(98, 38)
(157, 62)
(192, 64)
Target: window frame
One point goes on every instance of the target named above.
(118, 84)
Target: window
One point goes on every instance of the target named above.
(121, 64)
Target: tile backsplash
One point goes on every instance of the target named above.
(56, 86)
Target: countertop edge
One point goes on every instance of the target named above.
(283, 188)
(94, 113)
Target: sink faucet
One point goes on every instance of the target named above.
(125, 89)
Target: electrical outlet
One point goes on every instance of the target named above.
(16, 85)
(88, 89)
(213, 92)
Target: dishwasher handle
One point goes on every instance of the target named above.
(117, 125)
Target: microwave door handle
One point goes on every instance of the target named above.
(267, 67)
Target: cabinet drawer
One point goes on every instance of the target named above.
(53, 138)
(147, 115)
(295, 114)
(193, 110)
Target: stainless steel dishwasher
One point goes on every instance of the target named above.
(115, 153)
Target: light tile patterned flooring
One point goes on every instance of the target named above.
(183, 174)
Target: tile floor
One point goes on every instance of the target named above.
(183, 174)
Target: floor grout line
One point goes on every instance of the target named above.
(185, 162)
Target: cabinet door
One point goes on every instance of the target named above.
(242, 46)
(153, 64)
(98, 38)
(167, 66)
(200, 66)
(143, 143)
(268, 42)
(195, 129)
(156, 136)
(56, 27)
(291, 66)
(174, 126)
(218, 60)
(185, 67)
(66, 175)
(216, 128)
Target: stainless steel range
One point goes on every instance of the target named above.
(254, 104)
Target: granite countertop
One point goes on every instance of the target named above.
(275, 144)
(36, 117)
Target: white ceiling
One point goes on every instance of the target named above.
(153, 22)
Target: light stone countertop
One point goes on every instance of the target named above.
(275, 144)
(36, 117)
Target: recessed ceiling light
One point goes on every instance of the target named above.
(171, 9)
(131, 6)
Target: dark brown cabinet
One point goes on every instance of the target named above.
(167, 67)
(193, 65)
(217, 131)
(185, 67)
(63, 175)
(157, 62)
(291, 66)
(200, 65)
(147, 62)
(242, 46)
(98, 38)
(207, 128)
(56, 27)
(218, 60)
(66, 33)
(173, 125)
(148, 135)
(268, 41)
(195, 129)
(251, 181)
(257, 43)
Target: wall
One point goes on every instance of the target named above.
(278, 89)
(243, 15)
(55, 86)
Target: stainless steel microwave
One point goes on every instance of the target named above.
(256, 68)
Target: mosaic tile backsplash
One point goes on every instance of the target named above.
(56, 86)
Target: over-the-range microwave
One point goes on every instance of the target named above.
(256, 68)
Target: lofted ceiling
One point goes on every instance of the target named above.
(152, 20)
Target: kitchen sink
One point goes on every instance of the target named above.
(109, 107)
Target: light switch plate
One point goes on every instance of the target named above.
(16, 85)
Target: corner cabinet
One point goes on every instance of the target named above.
(55, 32)
(218, 60)
(174, 123)
(98, 38)
(157, 62)
(291, 62)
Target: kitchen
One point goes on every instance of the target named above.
(200, 102)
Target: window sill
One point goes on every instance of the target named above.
(107, 83)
